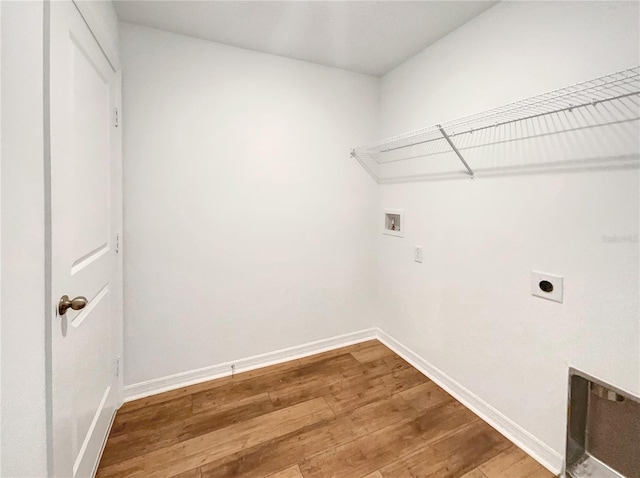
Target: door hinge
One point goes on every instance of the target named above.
(117, 367)
(117, 122)
(118, 243)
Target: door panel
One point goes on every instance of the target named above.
(89, 163)
(83, 96)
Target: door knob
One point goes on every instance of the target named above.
(75, 304)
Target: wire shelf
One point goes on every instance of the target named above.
(606, 101)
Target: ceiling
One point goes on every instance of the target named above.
(370, 37)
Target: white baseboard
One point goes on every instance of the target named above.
(545, 455)
(538, 450)
(183, 379)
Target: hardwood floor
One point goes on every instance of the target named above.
(357, 412)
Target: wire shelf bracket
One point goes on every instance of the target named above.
(455, 150)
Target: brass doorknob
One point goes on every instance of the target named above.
(75, 304)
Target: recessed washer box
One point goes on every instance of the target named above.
(547, 286)
(393, 222)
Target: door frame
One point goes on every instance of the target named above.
(95, 21)
(23, 325)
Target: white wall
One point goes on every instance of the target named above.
(467, 309)
(23, 395)
(248, 228)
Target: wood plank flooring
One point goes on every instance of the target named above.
(356, 412)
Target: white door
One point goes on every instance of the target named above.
(85, 179)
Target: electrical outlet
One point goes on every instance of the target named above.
(417, 254)
(547, 286)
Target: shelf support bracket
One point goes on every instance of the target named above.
(455, 150)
